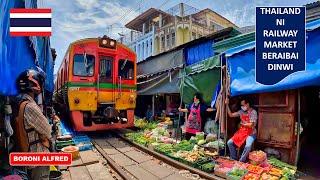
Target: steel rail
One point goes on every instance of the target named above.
(122, 173)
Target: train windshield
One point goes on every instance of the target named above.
(125, 69)
(83, 65)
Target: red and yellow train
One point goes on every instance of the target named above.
(96, 84)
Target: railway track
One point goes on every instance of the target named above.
(132, 161)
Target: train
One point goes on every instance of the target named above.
(95, 86)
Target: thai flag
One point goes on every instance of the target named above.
(30, 22)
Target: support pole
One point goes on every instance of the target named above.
(153, 106)
(226, 110)
(298, 129)
(181, 96)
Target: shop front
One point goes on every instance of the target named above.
(158, 87)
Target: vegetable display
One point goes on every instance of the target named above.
(207, 167)
(164, 148)
(200, 136)
(184, 146)
(251, 176)
(288, 174)
(257, 157)
(218, 144)
(266, 176)
(211, 137)
(275, 172)
(255, 169)
(140, 123)
(201, 142)
(236, 174)
(277, 163)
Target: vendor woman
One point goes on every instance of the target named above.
(247, 131)
(196, 118)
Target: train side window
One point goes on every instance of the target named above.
(106, 67)
(83, 65)
(126, 69)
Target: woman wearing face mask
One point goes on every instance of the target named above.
(246, 133)
(196, 117)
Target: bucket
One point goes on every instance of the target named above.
(55, 175)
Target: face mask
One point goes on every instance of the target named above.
(196, 101)
(244, 108)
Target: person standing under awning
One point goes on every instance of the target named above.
(196, 118)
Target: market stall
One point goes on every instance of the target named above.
(279, 105)
(203, 152)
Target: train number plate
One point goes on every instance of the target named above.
(74, 88)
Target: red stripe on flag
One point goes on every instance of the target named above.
(21, 10)
(30, 33)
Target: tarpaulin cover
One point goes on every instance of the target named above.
(241, 64)
(204, 65)
(204, 75)
(20, 53)
(198, 52)
(161, 84)
(161, 62)
(222, 46)
(204, 82)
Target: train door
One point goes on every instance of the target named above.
(106, 81)
(125, 81)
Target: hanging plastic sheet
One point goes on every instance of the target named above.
(201, 77)
(198, 52)
(241, 63)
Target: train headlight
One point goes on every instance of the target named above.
(76, 100)
(104, 42)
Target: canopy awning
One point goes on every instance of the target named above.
(165, 83)
(160, 63)
(204, 65)
(200, 77)
(241, 67)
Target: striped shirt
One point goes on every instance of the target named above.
(35, 119)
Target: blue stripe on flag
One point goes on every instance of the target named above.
(30, 22)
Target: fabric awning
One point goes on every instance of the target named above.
(165, 83)
(204, 65)
(160, 63)
(241, 67)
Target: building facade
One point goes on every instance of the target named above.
(156, 31)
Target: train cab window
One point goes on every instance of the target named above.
(106, 67)
(125, 69)
(83, 65)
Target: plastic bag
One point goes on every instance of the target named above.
(211, 127)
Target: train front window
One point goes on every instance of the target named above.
(125, 69)
(106, 67)
(83, 65)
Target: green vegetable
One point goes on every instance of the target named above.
(201, 142)
(277, 163)
(200, 136)
(164, 148)
(216, 144)
(207, 167)
(288, 174)
(193, 140)
(237, 173)
(184, 146)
